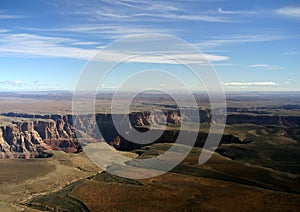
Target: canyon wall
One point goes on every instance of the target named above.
(27, 138)
(27, 135)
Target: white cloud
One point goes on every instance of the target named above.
(145, 5)
(8, 16)
(12, 83)
(236, 12)
(194, 17)
(239, 38)
(41, 46)
(3, 30)
(264, 66)
(110, 31)
(164, 16)
(135, 11)
(16, 85)
(289, 11)
(108, 87)
(167, 58)
(250, 84)
(291, 52)
(35, 45)
(84, 43)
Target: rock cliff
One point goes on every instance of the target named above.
(27, 138)
(27, 135)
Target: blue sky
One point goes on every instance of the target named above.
(253, 45)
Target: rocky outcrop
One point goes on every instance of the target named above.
(27, 139)
(20, 140)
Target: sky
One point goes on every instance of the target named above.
(252, 45)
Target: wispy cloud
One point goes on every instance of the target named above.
(113, 31)
(291, 52)
(3, 30)
(236, 12)
(194, 17)
(250, 84)
(17, 85)
(3, 15)
(42, 46)
(264, 66)
(137, 11)
(145, 5)
(167, 58)
(84, 43)
(35, 45)
(12, 83)
(108, 31)
(289, 11)
(239, 38)
(158, 17)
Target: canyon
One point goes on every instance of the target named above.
(25, 135)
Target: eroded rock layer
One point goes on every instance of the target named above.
(27, 135)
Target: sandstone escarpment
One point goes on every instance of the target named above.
(29, 134)
(22, 138)
(26, 135)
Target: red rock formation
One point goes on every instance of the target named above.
(26, 139)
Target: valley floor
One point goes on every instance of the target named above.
(221, 184)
